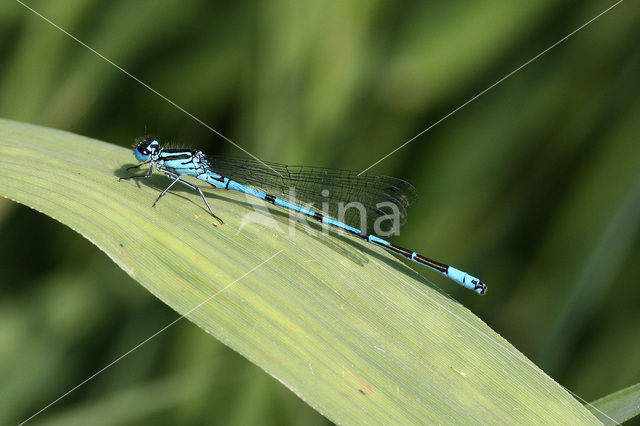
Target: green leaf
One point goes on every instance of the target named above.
(617, 407)
(353, 331)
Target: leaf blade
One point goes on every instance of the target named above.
(354, 332)
(617, 407)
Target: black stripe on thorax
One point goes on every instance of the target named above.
(178, 151)
(178, 155)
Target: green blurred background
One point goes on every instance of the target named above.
(534, 187)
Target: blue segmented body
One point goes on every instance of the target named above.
(347, 184)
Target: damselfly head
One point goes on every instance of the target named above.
(146, 148)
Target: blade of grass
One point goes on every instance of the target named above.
(354, 332)
(619, 406)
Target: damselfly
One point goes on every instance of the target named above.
(374, 196)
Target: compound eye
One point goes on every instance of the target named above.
(142, 154)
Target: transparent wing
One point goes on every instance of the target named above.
(359, 200)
